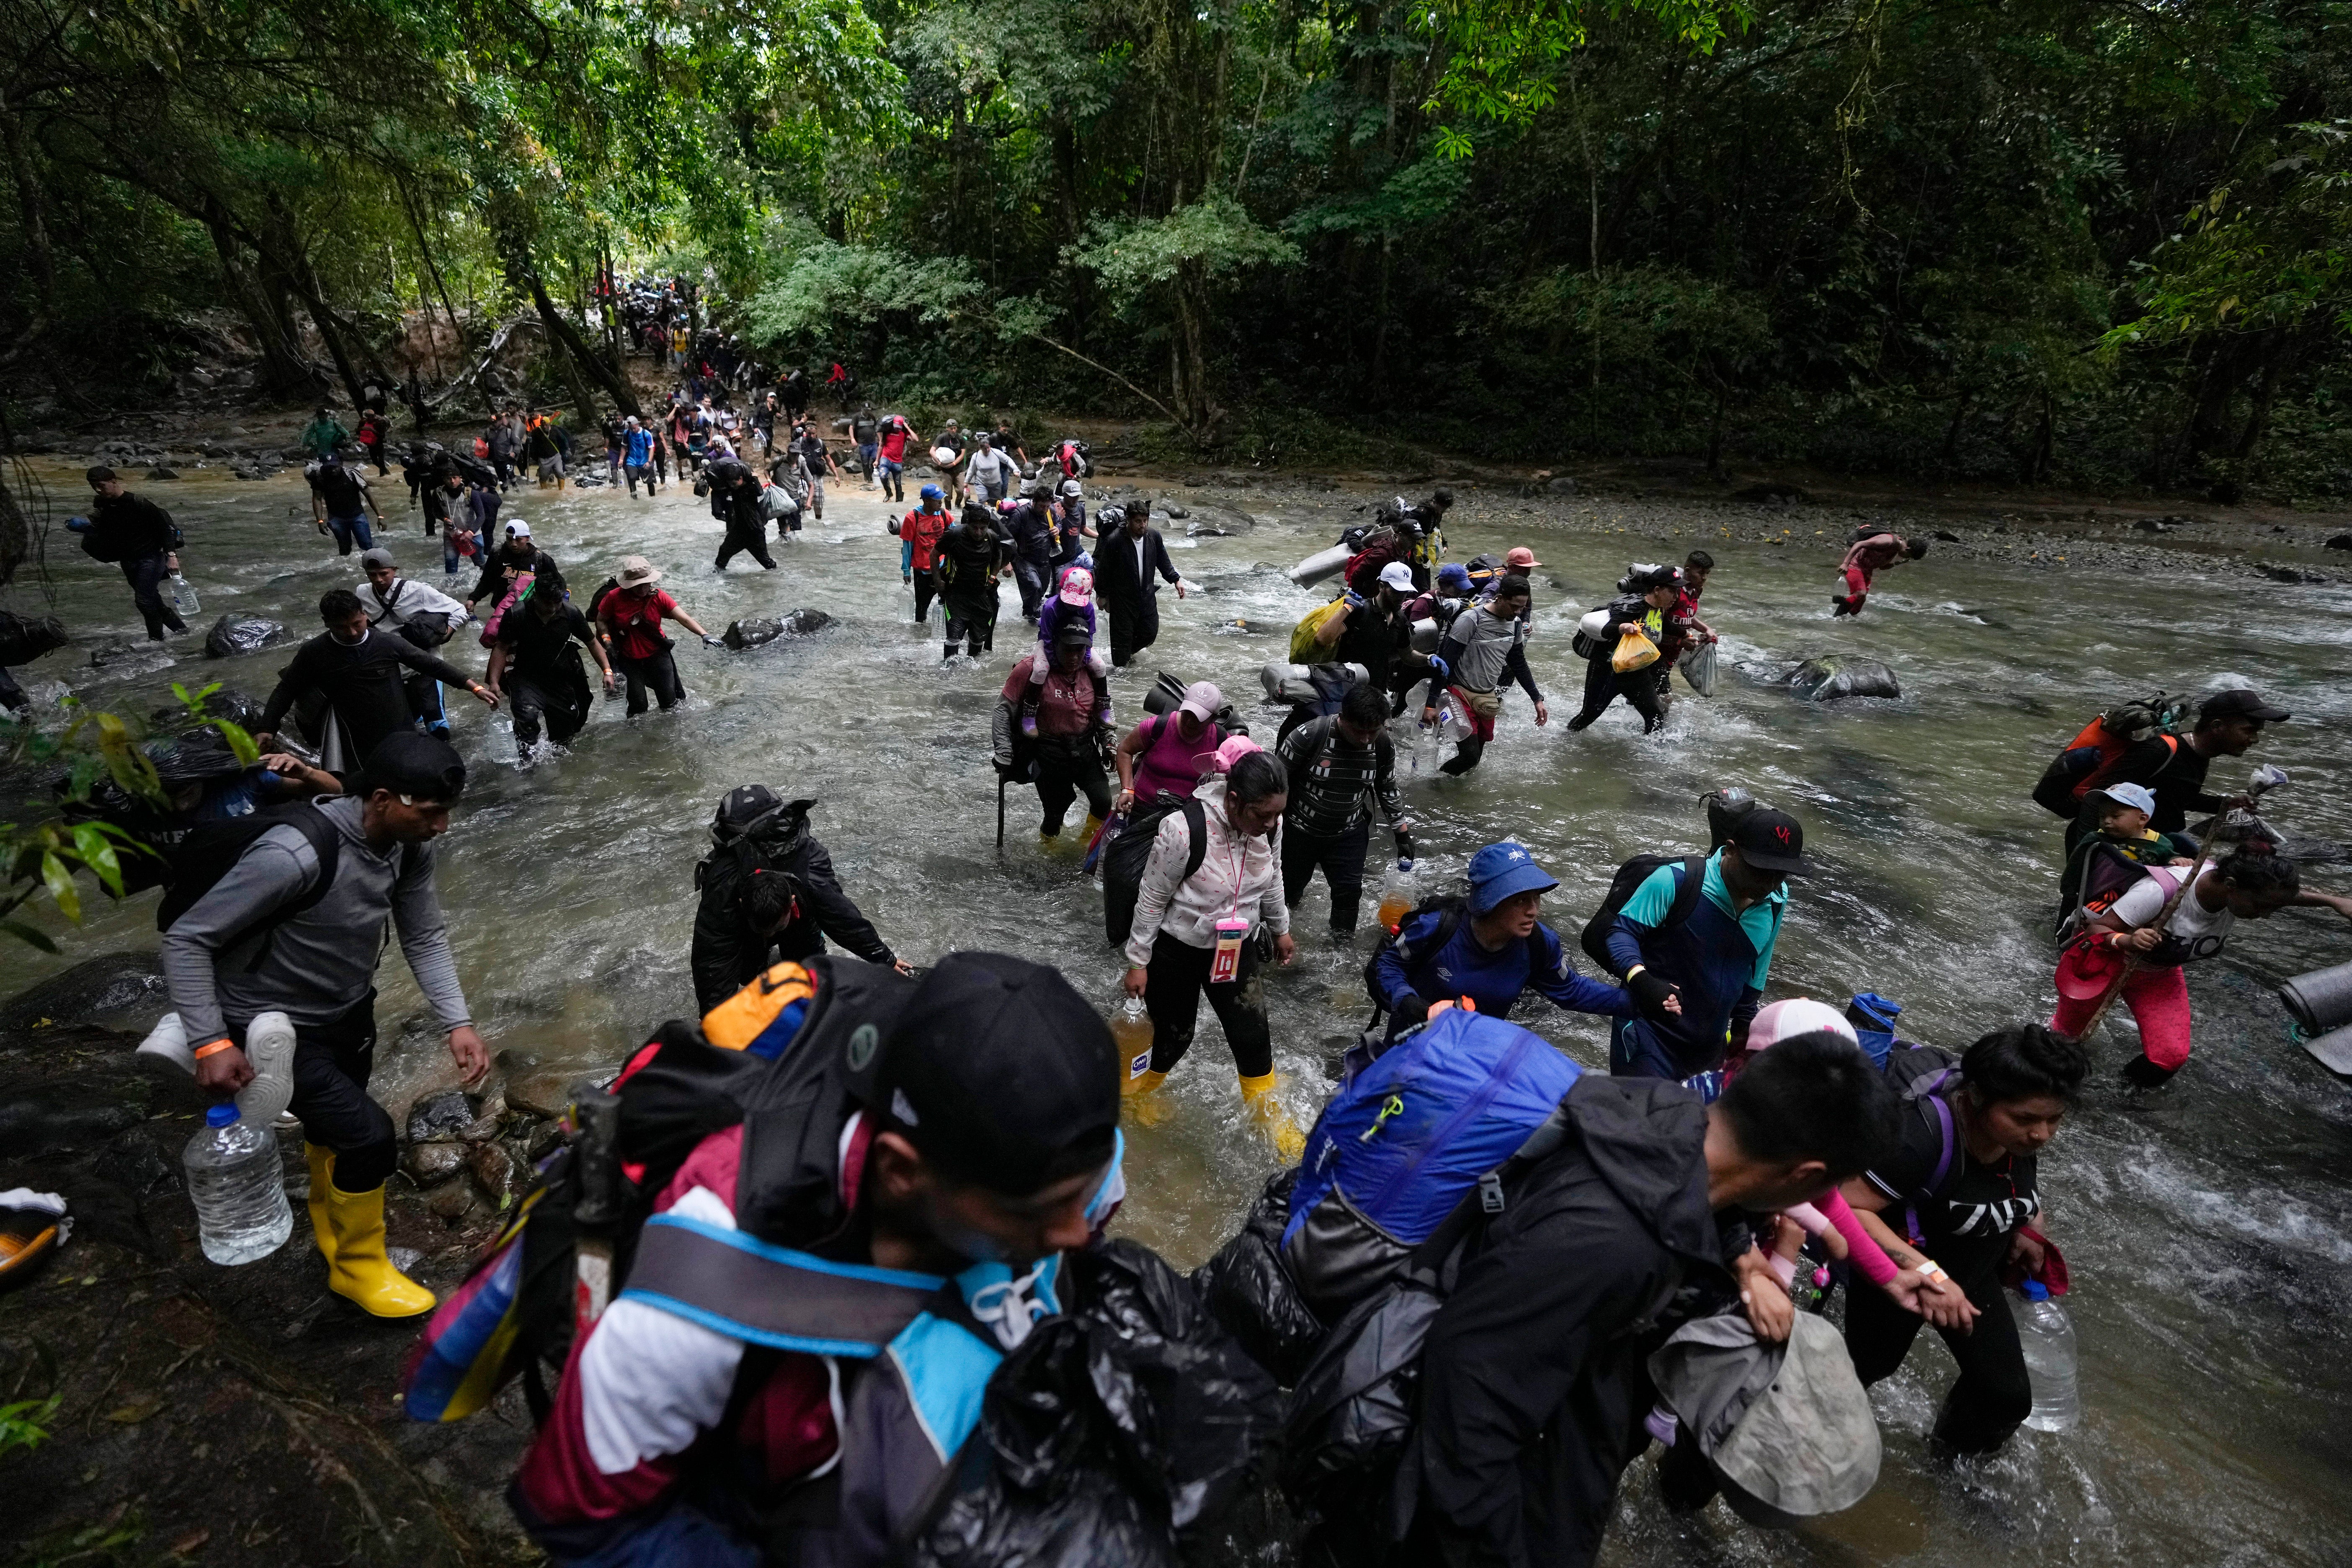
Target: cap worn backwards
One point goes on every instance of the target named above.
(1001, 1075)
(424, 767)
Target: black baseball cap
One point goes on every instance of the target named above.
(1772, 841)
(425, 767)
(1001, 1074)
(2241, 702)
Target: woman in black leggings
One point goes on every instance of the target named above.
(1962, 1186)
(1230, 899)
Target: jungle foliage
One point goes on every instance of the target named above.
(2089, 241)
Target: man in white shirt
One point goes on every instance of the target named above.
(419, 613)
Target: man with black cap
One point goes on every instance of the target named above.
(1712, 950)
(768, 892)
(2172, 767)
(139, 536)
(294, 926)
(791, 1368)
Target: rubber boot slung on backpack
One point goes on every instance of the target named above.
(359, 1269)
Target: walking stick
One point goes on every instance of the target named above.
(2229, 829)
(1000, 808)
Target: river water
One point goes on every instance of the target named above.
(2209, 1232)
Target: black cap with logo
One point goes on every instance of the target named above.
(1772, 841)
(2241, 702)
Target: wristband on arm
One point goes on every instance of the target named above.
(223, 1043)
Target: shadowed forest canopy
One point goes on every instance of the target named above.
(2073, 240)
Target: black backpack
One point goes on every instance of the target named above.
(1123, 861)
(208, 851)
(1625, 883)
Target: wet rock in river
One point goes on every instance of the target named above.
(233, 635)
(429, 1164)
(438, 1117)
(1828, 680)
(762, 629)
(113, 983)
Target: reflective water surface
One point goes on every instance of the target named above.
(2209, 1233)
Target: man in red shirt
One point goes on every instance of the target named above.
(892, 463)
(1865, 560)
(630, 617)
(919, 546)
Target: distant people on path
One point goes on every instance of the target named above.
(324, 436)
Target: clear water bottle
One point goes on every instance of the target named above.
(184, 596)
(238, 1188)
(2048, 1342)
(502, 741)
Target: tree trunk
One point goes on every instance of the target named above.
(284, 371)
(570, 347)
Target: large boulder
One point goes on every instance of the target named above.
(23, 638)
(1829, 678)
(92, 989)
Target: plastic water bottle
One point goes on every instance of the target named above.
(238, 1188)
(502, 741)
(184, 596)
(2048, 1342)
(1397, 897)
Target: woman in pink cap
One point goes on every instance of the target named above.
(1170, 753)
(1072, 605)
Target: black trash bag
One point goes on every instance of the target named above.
(1252, 1294)
(227, 703)
(1351, 1413)
(23, 638)
(1119, 1432)
(233, 635)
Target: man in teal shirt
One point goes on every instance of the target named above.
(1716, 958)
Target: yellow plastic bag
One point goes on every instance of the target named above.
(1305, 649)
(1634, 651)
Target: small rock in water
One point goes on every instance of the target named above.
(2341, 541)
(160, 472)
(1178, 513)
(1947, 536)
(1828, 680)
(1563, 486)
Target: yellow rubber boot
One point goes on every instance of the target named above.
(321, 1161)
(1259, 1103)
(1141, 1096)
(359, 1271)
(1086, 833)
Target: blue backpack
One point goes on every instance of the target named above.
(1405, 1138)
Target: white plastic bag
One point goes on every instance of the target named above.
(1697, 665)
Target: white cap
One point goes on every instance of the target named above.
(1796, 1016)
(518, 529)
(1397, 575)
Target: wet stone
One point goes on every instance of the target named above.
(438, 1116)
(429, 1164)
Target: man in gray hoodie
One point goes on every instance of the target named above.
(295, 926)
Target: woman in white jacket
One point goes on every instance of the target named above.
(1203, 932)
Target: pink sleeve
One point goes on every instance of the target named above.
(1862, 1251)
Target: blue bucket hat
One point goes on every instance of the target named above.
(1503, 870)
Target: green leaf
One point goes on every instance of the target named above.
(60, 883)
(98, 856)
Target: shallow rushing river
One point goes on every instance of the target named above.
(2210, 1233)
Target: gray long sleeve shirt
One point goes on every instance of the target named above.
(319, 964)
